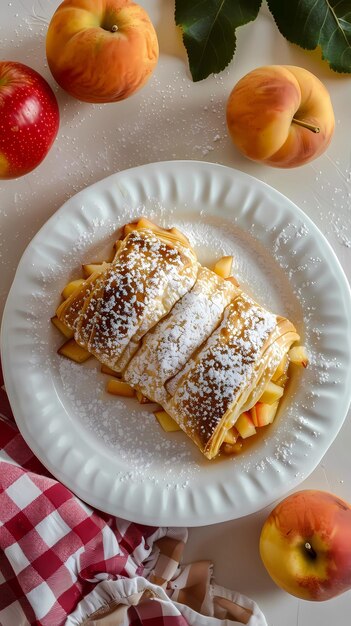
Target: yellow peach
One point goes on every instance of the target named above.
(305, 545)
(280, 115)
(101, 50)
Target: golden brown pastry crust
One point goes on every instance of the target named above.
(167, 348)
(213, 388)
(118, 306)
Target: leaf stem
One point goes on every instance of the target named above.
(311, 127)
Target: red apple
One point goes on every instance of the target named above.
(305, 545)
(29, 119)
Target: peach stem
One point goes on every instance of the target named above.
(310, 551)
(114, 28)
(314, 129)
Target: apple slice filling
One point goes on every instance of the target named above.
(223, 267)
(119, 388)
(265, 410)
(71, 350)
(166, 422)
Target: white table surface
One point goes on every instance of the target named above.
(174, 118)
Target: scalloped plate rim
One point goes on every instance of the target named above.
(144, 516)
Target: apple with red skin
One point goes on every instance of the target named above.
(29, 119)
(305, 545)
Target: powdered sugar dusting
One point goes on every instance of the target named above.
(138, 289)
(258, 273)
(126, 429)
(209, 384)
(168, 347)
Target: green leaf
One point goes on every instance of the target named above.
(312, 23)
(209, 31)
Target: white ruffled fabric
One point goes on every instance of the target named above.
(107, 605)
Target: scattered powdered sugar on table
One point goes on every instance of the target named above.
(333, 200)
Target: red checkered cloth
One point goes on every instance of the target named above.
(63, 563)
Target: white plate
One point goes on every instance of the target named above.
(110, 451)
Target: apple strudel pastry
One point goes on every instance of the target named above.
(183, 336)
(229, 373)
(166, 349)
(112, 310)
